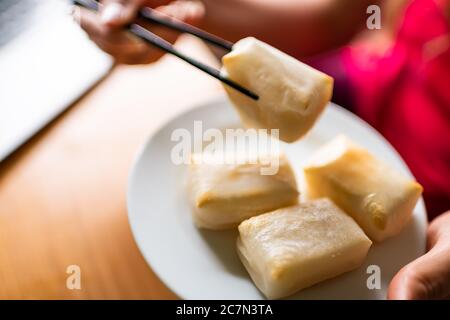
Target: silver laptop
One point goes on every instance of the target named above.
(46, 63)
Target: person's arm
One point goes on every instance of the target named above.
(298, 27)
(428, 277)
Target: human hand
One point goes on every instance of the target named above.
(428, 277)
(106, 27)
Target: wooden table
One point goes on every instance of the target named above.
(62, 195)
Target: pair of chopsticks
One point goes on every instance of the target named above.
(152, 16)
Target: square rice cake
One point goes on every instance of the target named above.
(293, 248)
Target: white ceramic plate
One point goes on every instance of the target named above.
(200, 264)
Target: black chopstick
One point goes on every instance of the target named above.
(162, 44)
(153, 39)
(154, 16)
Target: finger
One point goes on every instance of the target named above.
(190, 12)
(429, 276)
(439, 230)
(149, 54)
(117, 43)
(89, 22)
(143, 57)
(126, 48)
(184, 11)
(426, 278)
(138, 53)
(123, 46)
(117, 13)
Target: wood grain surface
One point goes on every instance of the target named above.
(62, 195)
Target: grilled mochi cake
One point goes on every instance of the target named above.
(292, 94)
(224, 194)
(379, 198)
(296, 247)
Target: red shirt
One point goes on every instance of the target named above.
(405, 95)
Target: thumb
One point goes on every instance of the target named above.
(428, 277)
(117, 13)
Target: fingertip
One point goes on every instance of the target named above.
(398, 288)
(114, 14)
(186, 11)
(195, 10)
(410, 284)
(86, 19)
